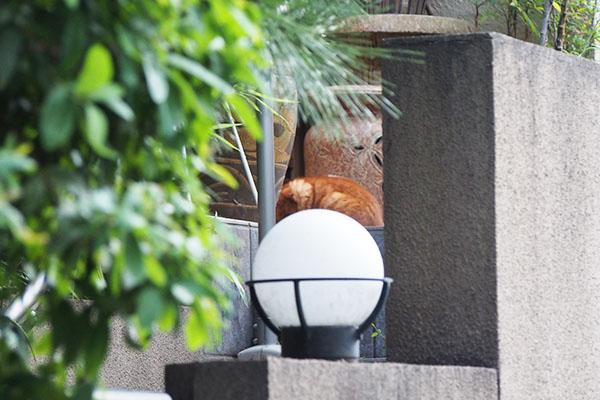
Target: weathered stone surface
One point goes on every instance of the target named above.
(492, 213)
(283, 379)
(439, 230)
(408, 25)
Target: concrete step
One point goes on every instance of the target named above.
(285, 378)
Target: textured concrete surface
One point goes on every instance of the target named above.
(409, 25)
(493, 213)
(375, 347)
(283, 379)
(547, 222)
(439, 230)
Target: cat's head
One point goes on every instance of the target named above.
(295, 196)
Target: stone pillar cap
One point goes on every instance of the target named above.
(407, 24)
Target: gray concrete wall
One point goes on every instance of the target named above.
(547, 222)
(284, 379)
(493, 213)
(439, 205)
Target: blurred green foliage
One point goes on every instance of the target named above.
(523, 19)
(97, 100)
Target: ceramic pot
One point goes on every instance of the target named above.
(350, 148)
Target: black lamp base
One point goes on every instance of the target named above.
(322, 342)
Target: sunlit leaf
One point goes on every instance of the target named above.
(196, 332)
(184, 292)
(97, 70)
(243, 110)
(156, 273)
(155, 79)
(72, 3)
(168, 318)
(556, 6)
(222, 174)
(199, 71)
(109, 91)
(120, 108)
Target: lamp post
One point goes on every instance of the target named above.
(318, 283)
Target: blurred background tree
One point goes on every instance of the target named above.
(571, 25)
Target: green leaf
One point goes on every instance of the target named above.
(96, 347)
(120, 108)
(199, 71)
(170, 118)
(74, 40)
(249, 27)
(97, 70)
(155, 79)
(72, 4)
(556, 6)
(168, 318)
(96, 130)
(11, 218)
(10, 43)
(57, 118)
(245, 112)
(156, 273)
(220, 173)
(196, 332)
(133, 273)
(235, 278)
(110, 95)
(109, 91)
(149, 306)
(12, 334)
(184, 292)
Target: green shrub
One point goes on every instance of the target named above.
(97, 100)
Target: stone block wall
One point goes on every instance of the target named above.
(492, 211)
(285, 378)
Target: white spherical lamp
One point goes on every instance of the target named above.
(318, 280)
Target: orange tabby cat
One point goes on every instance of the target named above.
(332, 193)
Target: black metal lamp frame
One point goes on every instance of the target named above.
(324, 342)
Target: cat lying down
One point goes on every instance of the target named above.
(332, 193)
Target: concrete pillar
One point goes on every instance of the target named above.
(492, 213)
